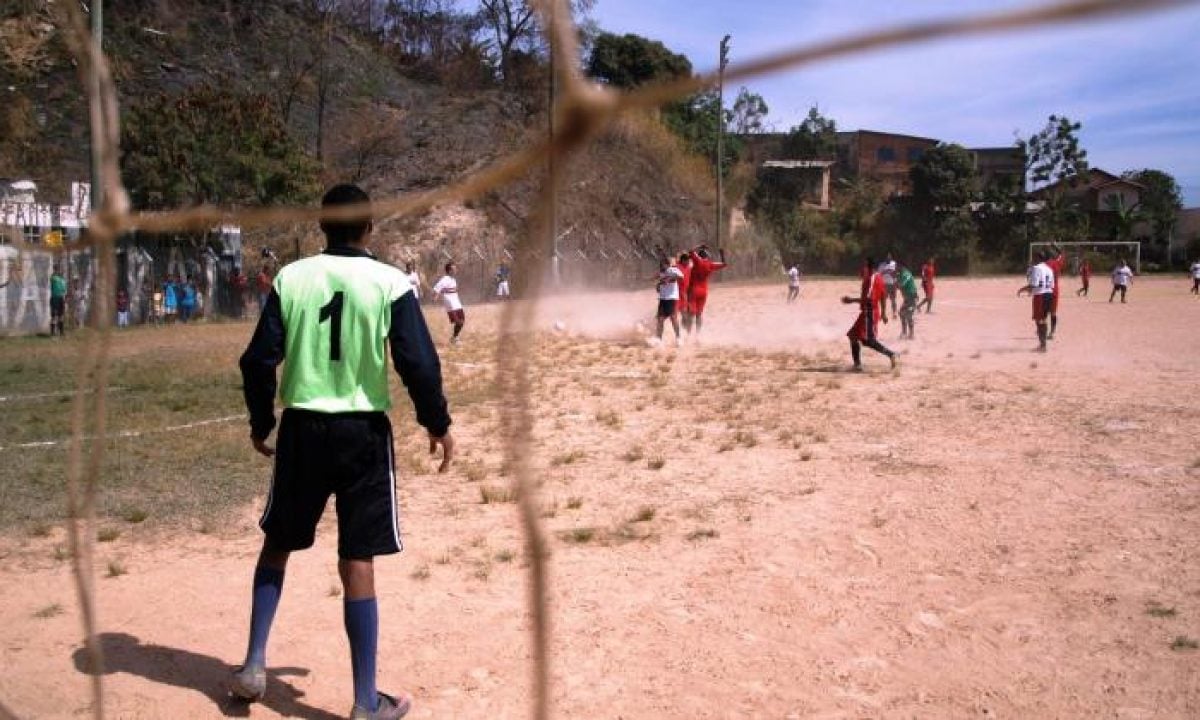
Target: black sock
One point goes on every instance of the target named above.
(856, 353)
(1053, 323)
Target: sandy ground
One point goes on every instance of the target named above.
(986, 532)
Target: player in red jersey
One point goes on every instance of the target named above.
(702, 268)
(1056, 262)
(871, 301)
(681, 307)
(927, 274)
(1085, 276)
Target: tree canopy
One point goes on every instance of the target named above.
(815, 138)
(212, 145)
(944, 178)
(627, 61)
(1054, 154)
(1160, 202)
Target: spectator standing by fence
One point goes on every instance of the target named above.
(58, 301)
(122, 308)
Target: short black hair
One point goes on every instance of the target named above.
(449, 265)
(344, 232)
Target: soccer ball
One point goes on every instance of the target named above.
(559, 326)
(653, 341)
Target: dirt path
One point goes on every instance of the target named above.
(986, 532)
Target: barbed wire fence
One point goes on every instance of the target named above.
(583, 110)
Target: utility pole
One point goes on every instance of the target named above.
(97, 16)
(721, 135)
(552, 170)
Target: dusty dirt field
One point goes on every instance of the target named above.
(741, 529)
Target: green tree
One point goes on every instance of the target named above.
(1126, 217)
(627, 61)
(749, 113)
(944, 178)
(212, 145)
(694, 121)
(1053, 154)
(815, 138)
(944, 182)
(1160, 202)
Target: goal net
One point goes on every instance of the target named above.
(1103, 256)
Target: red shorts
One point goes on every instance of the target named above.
(457, 317)
(696, 301)
(1041, 306)
(927, 287)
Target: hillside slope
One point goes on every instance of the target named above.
(391, 133)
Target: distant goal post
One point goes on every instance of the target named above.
(1111, 248)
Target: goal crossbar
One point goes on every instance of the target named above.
(1134, 245)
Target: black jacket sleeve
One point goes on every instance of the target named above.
(416, 361)
(258, 365)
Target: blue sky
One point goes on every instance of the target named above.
(1134, 82)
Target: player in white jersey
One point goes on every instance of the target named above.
(1039, 283)
(887, 269)
(447, 289)
(1122, 275)
(414, 279)
(667, 282)
(1195, 271)
(793, 274)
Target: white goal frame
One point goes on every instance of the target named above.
(1135, 245)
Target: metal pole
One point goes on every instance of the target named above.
(552, 170)
(724, 60)
(97, 16)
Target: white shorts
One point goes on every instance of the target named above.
(502, 288)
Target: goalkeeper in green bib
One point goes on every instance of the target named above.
(331, 320)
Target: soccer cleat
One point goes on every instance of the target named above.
(390, 708)
(249, 683)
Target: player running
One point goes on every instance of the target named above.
(447, 289)
(872, 303)
(908, 290)
(1195, 271)
(702, 268)
(793, 274)
(928, 272)
(334, 317)
(1085, 277)
(1122, 275)
(1039, 283)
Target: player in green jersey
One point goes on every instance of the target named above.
(334, 317)
(58, 301)
(908, 310)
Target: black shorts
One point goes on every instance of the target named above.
(347, 455)
(666, 308)
(57, 306)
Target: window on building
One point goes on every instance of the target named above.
(886, 154)
(914, 154)
(31, 234)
